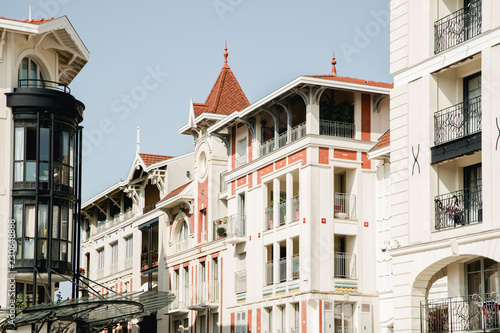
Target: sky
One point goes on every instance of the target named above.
(147, 59)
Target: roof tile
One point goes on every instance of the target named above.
(353, 80)
(40, 21)
(152, 159)
(383, 141)
(178, 190)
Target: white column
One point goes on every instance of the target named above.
(276, 263)
(312, 118)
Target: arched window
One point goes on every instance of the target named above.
(184, 231)
(30, 74)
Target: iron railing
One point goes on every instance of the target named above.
(475, 313)
(36, 83)
(295, 266)
(457, 121)
(457, 27)
(282, 269)
(213, 291)
(296, 133)
(459, 208)
(240, 279)
(345, 265)
(267, 147)
(269, 272)
(236, 226)
(337, 128)
(344, 205)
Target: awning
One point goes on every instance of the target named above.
(95, 313)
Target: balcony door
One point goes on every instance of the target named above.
(473, 193)
(472, 104)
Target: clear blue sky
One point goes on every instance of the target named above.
(270, 43)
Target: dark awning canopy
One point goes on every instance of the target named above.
(96, 313)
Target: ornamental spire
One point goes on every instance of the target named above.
(334, 62)
(225, 55)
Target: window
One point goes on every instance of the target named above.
(241, 153)
(282, 322)
(296, 318)
(100, 263)
(482, 277)
(129, 251)
(241, 322)
(30, 73)
(114, 257)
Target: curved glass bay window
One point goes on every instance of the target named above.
(46, 172)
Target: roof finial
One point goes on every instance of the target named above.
(334, 62)
(138, 140)
(225, 56)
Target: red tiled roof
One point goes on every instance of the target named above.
(176, 191)
(225, 97)
(383, 141)
(152, 159)
(40, 21)
(353, 80)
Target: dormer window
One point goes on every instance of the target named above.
(30, 74)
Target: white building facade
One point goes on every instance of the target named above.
(444, 238)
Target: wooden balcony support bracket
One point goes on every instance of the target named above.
(157, 178)
(132, 192)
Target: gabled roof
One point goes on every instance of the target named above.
(382, 149)
(383, 141)
(175, 192)
(150, 159)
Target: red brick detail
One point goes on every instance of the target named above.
(215, 255)
(324, 155)
(176, 267)
(202, 204)
(320, 316)
(116, 287)
(345, 154)
(250, 142)
(233, 188)
(280, 164)
(259, 316)
(304, 317)
(264, 171)
(232, 322)
(233, 147)
(365, 117)
(250, 180)
(300, 155)
(365, 162)
(186, 264)
(121, 286)
(202, 259)
(131, 280)
(249, 321)
(241, 181)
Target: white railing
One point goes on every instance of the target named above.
(344, 206)
(113, 268)
(198, 293)
(269, 272)
(336, 128)
(345, 330)
(282, 269)
(128, 262)
(267, 147)
(294, 330)
(282, 139)
(178, 302)
(295, 266)
(100, 273)
(129, 213)
(295, 208)
(240, 278)
(213, 292)
(345, 265)
(203, 236)
(269, 218)
(298, 132)
(242, 160)
(236, 226)
(182, 244)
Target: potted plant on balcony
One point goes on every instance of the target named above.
(221, 227)
(154, 257)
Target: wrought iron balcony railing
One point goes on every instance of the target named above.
(345, 265)
(457, 121)
(476, 313)
(344, 205)
(337, 128)
(457, 27)
(459, 208)
(36, 83)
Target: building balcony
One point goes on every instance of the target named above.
(204, 295)
(345, 329)
(128, 262)
(270, 145)
(457, 130)
(269, 212)
(149, 260)
(179, 305)
(213, 291)
(113, 221)
(345, 265)
(295, 266)
(100, 273)
(113, 268)
(476, 313)
(181, 245)
(337, 129)
(282, 269)
(236, 229)
(269, 266)
(344, 206)
(457, 27)
(240, 279)
(459, 208)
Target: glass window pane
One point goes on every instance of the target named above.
(70, 224)
(33, 70)
(69, 252)
(64, 251)
(474, 283)
(64, 222)
(65, 175)
(42, 249)
(30, 144)
(491, 282)
(19, 249)
(44, 172)
(55, 250)
(55, 222)
(71, 144)
(44, 144)
(18, 171)
(71, 176)
(24, 71)
(29, 248)
(490, 264)
(18, 218)
(43, 218)
(30, 221)
(65, 147)
(57, 174)
(30, 171)
(19, 144)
